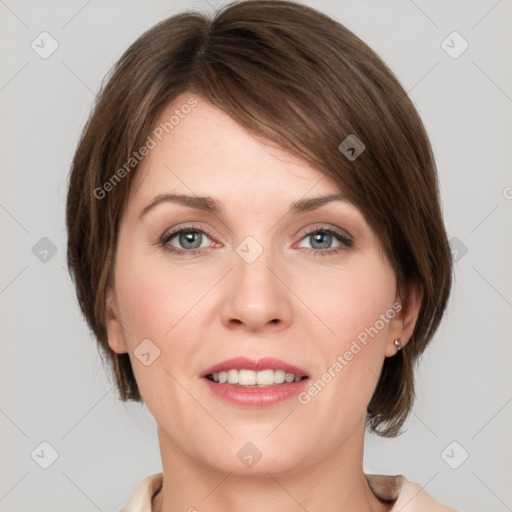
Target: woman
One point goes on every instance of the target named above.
(257, 244)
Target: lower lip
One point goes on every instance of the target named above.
(255, 396)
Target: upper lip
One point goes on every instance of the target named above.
(264, 363)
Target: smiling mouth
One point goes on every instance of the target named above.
(251, 378)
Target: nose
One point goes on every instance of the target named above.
(257, 295)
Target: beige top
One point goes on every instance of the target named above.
(408, 496)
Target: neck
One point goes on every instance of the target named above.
(333, 483)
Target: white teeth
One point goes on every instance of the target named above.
(246, 377)
(279, 376)
(265, 377)
(252, 378)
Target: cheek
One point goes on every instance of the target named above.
(145, 303)
(356, 305)
(155, 297)
(164, 305)
(350, 299)
(154, 307)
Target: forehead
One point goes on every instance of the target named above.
(201, 149)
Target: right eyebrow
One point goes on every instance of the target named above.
(206, 203)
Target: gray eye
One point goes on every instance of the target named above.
(190, 239)
(320, 240)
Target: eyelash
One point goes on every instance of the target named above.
(345, 241)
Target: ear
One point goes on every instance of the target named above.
(402, 325)
(115, 332)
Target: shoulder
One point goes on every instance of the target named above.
(407, 496)
(143, 496)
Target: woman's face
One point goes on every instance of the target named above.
(256, 279)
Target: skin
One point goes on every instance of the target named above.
(292, 303)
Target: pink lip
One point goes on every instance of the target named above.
(253, 396)
(256, 397)
(265, 363)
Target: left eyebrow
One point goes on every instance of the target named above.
(307, 205)
(209, 204)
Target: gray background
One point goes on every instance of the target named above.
(54, 388)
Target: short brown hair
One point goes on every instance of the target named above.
(301, 80)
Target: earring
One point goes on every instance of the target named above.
(398, 345)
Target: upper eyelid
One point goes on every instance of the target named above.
(176, 231)
(336, 230)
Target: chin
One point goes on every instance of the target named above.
(259, 467)
(255, 456)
